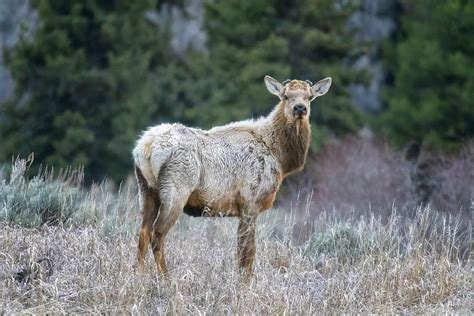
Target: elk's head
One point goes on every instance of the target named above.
(297, 95)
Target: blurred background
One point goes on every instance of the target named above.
(79, 81)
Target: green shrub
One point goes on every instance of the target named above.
(42, 199)
(62, 200)
(342, 242)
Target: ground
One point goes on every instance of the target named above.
(86, 269)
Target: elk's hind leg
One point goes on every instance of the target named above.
(168, 214)
(177, 181)
(148, 205)
(149, 210)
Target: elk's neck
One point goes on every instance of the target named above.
(288, 142)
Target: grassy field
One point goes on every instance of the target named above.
(68, 249)
(362, 266)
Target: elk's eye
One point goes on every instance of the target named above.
(285, 97)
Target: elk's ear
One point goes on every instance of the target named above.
(273, 85)
(321, 87)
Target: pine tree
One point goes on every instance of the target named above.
(249, 39)
(83, 82)
(242, 50)
(320, 46)
(432, 97)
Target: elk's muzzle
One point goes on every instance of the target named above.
(300, 110)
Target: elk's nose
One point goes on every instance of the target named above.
(299, 109)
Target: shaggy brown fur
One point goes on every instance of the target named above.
(289, 145)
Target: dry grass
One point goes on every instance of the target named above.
(360, 266)
(321, 254)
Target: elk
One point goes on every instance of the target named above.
(232, 170)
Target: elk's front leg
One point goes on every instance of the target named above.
(246, 247)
